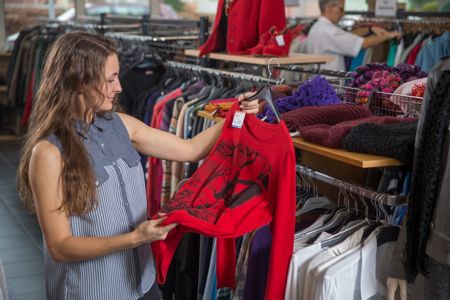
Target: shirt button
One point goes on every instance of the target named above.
(432, 225)
(102, 145)
(125, 203)
(97, 183)
(114, 163)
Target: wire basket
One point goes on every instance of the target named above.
(382, 104)
(390, 104)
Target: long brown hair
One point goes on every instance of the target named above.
(74, 66)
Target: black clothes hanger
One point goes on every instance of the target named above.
(265, 94)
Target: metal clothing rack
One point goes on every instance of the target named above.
(315, 70)
(227, 74)
(386, 199)
(401, 14)
(144, 38)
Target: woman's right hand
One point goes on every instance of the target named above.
(151, 230)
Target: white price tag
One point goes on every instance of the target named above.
(280, 40)
(386, 8)
(238, 119)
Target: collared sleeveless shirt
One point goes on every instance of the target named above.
(122, 275)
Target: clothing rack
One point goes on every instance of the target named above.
(316, 70)
(227, 74)
(386, 199)
(92, 27)
(401, 14)
(143, 38)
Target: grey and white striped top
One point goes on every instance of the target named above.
(124, 275)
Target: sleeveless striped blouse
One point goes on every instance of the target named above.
(124, 275)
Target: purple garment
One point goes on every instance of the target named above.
(408, 72)
(364, 74)
(258, 258)
(314, 92)
(258, 264)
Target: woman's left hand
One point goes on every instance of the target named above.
(249, 107)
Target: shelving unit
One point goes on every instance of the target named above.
(360, 160)
(297, 59)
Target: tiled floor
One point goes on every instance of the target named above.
(20, 236)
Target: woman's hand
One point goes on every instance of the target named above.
(151, 231)
(378, 30)
(249, 107)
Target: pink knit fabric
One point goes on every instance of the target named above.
(327, 114)
(333, 135)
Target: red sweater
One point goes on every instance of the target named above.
(247, 181)
(247, 21)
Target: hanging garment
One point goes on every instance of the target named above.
(428, 202)
(247, 21)
(398, 53)
(433, 52)
(358, 60)
(392, 53)
(418, 39)
(246, 182)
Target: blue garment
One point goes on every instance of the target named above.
(406, 187)
(399, 213)
(122, 205)
(392, 53)
(431, 53)
(210, 292)
(358, 60)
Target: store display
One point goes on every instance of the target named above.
(249, 226)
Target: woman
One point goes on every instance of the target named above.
(80, 173)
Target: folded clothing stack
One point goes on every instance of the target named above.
(392, 140)
(333, 135)
(327, 114)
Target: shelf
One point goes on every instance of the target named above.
(207, 115)
(3, 88)
(5, 54)
(296, 59)
(360, 160)
(8, 138)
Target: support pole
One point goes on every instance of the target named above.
(2, 26)
(154, 8)
(80, 9)
(51, 9)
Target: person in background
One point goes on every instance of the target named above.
(80, 172)
(326, 38)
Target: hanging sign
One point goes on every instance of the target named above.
(386, 8)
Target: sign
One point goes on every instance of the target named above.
(386, 8)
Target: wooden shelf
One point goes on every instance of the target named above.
(360, 160)
(207, 115)
(5, 54)
(297, 59)
(8, 138)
